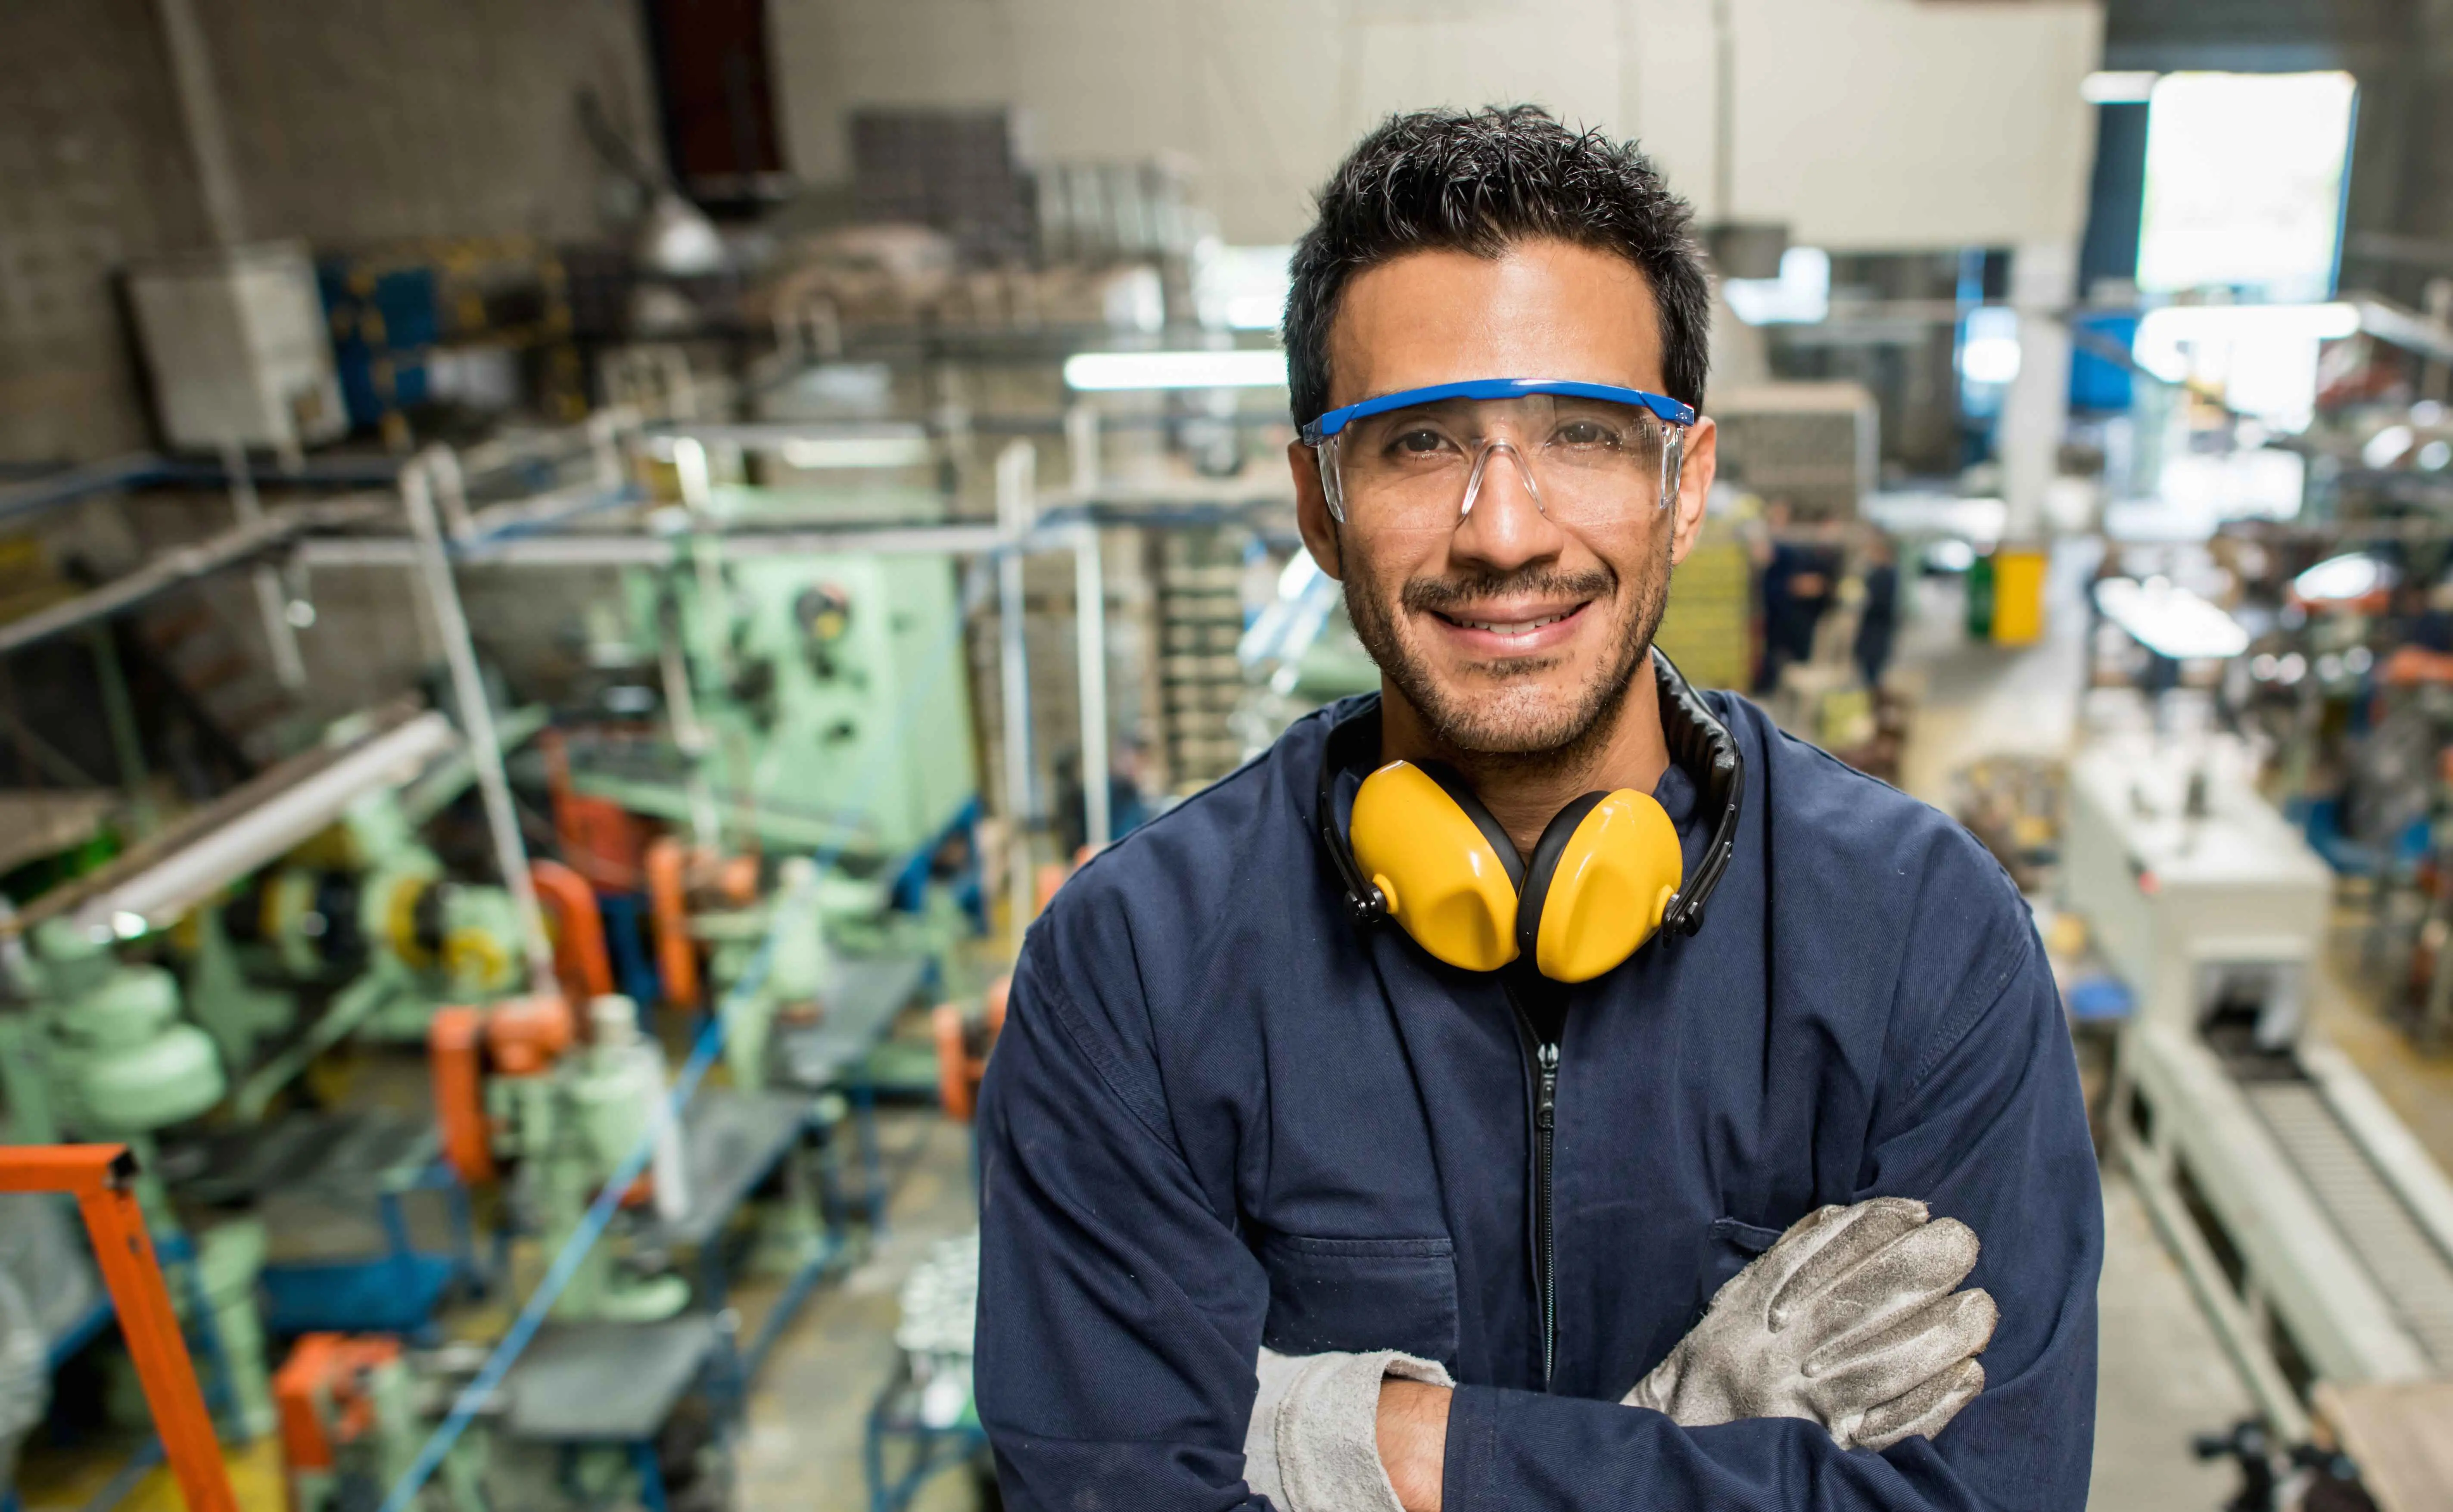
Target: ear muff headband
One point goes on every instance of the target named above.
(1605, 876)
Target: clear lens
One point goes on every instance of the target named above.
(1584, 460)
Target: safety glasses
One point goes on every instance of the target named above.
(1586, 453)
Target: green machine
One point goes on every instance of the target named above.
(104, 1054)
(571, 1126)
(816, 703)
(369, 907)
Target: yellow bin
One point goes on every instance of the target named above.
(2018, 595)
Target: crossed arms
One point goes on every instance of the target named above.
(1121, 1312)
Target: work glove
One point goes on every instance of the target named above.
(1313, 1445)
(1849, 1320)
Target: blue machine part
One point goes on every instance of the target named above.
(383, 324)
(387, 1294)
(2101, 999)
(625, 915)
(2097, 384)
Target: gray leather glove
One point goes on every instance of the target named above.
(1849, 1320)
(1313, 1445)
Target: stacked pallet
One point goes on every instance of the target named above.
(1200, 617)
(1708, 627)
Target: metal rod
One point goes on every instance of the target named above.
(200, 110)
(640, 549)
(1725, 114)
(280, 636)
(1082, 446)
(1016, 471)
(477, 719)
(689, 734)
(100, 1177)
(1090, 652)
(173, 569)
(126, 738)
(281, 822)
(451, 491)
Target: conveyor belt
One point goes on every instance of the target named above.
(2415, 1275)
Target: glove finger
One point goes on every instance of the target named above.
(1750, 1290)
(1830, 1242)
(1905, 1274)
(1866, 1367)
(1922, 1412)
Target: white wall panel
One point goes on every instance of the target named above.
(1863, 123)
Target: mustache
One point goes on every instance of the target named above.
(1437, 595)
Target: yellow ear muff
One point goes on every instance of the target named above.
(1606, 893)
(1444, 883)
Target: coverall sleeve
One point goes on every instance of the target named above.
(1988, 1128)
(1120, 1311)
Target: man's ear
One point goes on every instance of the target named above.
(1311, 510)
(1695, 471)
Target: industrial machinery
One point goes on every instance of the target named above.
(2315, 1232)
(370, 905)
(511, 1086)
(102, 1054)
(813, 700)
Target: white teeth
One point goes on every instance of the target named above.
(1512, 628)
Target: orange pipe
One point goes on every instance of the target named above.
(454, 1044)
(954, 1083)
(326, 1372)
(669, 919)
(992, 1005)
(100, 1176)
(579, 954)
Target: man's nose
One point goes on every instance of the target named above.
(1504, 526)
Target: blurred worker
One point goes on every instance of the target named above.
(1878, 621)
(1796, 589)
(1539, 1083)
(1128, 804)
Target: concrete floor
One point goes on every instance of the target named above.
(808, 1412)
(2162, 1377)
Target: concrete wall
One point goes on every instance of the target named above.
(91, 174)
(365, 120)
(1861, 122)
(350, 121)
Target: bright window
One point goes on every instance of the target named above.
(2245, 176)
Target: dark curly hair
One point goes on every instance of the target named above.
(1450, 181)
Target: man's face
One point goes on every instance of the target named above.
(1509, 631)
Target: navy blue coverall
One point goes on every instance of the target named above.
(1220, 1115)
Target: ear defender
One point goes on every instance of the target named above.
(1601, 876)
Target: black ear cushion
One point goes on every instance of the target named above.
(1535, 888)
(1453, 784)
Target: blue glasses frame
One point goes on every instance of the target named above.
(1672, 412)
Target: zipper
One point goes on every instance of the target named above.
(1545, 1055)
(1546, 1255)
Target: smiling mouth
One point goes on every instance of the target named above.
(1509, 628)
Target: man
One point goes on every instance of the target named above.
(1796, 591)
(1877, 621)
(1339, 1151)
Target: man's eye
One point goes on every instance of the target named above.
(1588, 433)
(1419, 443)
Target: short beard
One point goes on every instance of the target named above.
(1498, 732)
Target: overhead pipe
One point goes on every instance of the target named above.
(476, 714)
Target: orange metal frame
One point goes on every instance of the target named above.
(101, 1178)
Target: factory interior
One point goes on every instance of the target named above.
(575, 574)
